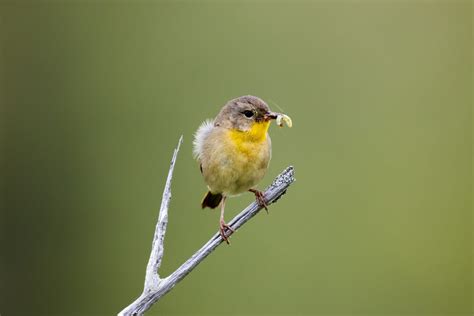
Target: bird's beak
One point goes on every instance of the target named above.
(279, 117)
(270, 116)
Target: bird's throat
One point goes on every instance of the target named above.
(255, 135)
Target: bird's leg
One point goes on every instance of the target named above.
(222, 224)
(260, 198)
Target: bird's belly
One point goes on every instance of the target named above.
(231, 170)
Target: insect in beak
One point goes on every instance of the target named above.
(280, 118)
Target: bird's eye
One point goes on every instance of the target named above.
(248, 113)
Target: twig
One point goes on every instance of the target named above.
(155, 287)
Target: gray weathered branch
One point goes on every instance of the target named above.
(155, 287)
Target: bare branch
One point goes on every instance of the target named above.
(155, 287)
(152, 277)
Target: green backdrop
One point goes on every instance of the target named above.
(94, 96)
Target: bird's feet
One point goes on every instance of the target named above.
(222, 228)
(260, 198)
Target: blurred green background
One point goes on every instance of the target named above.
(94, 96)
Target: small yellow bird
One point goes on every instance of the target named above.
(234, 151)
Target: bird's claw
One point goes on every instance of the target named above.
(222, 227)
(260, 198)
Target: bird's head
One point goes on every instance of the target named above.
(246, 114)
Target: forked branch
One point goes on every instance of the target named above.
(155, 287)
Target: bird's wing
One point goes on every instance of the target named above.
(200, 137)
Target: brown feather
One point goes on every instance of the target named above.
(211, 200)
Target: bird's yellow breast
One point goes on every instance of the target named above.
(248, 142)
(235, 161)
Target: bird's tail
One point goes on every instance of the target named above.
(211, 200)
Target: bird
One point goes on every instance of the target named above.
(234, 151)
